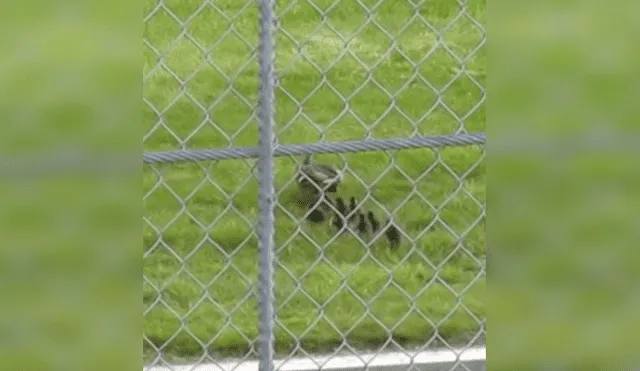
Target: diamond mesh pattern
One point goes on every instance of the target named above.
(346, 70)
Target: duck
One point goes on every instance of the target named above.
(338, 219)
(315, 177)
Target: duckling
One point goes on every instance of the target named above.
(343, 216)
(362, 225)
(375, 225)
(393, 235)
(341, 206)
(368, 225)
(352, 209)
(338, 219)
(318, 177)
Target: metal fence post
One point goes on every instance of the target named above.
(266, 189)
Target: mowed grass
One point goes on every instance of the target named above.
(201, 252)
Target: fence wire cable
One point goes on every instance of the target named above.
(266, 191)
(56, 164)
(316, 148)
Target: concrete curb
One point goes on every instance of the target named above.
(472, 359)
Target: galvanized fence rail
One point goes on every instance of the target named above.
(268, 197)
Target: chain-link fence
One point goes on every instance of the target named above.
(368, 250)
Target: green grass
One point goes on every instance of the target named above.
(367, 294)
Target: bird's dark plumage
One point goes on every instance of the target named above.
(307, 184)
(393, 235)
(332, 188)
(338, 218)
(316, 215)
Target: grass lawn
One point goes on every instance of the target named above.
(200, 259)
